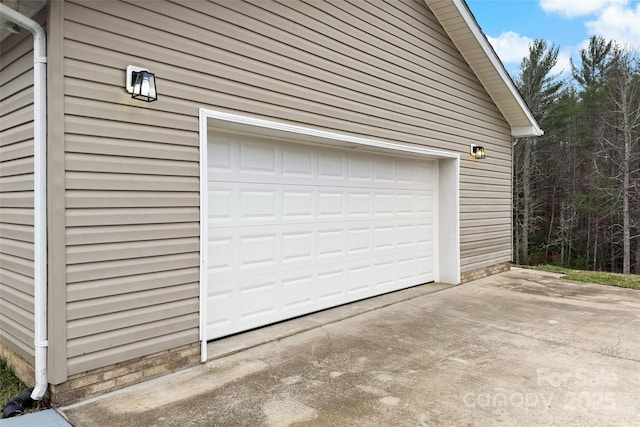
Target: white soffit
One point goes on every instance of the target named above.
(26, 7)
(459, 23)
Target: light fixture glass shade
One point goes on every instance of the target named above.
(144, 86)
(477, 152)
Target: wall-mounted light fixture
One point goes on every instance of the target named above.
(477, 152)
(141, 84)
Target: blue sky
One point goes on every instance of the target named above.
(510, 25)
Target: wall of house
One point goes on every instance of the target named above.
(380, 69)
(16, 196)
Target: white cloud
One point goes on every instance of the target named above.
(511, 47)
(617, 20)
(573, 8)
(618, 23)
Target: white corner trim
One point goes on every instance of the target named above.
(448, 221)
(204, 253)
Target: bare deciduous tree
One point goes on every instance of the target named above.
(577, 189)
(620, 143)
(539, 88)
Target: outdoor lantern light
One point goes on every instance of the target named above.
(477, 152)
(141, 84)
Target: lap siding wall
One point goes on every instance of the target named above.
(16, 194)
(380, 69)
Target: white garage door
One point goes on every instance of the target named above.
(296, 228)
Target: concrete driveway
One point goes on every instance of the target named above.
(520, 348)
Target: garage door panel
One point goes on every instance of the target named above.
(257, 159)
(220, 155)
(297, 204)
(271, 296)
(314, 181)
(257, 250)
(220, 258)
(217, 228)
(383, 170)
(330, 286)
(220, 277)
(298, 228)
(358, 169)
(297, 247)
(259, 300)
(358, 240)
(330, 204)
(257, 204)
(384, 204)
(384, 275)
(271, 162)
(359, 281)
(239, 204)
(219, 204)
(298, 292)
(247, 271)
(220, 308)
(330, 165)
(297, 163)
(303, 245)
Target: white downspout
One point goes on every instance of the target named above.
(40, 194)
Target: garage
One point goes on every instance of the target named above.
(339, 134)
(295, 225)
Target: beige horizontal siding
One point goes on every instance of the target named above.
(18, 216)
(122, 302)
(248, 32)
(16, 142)
(92, 324)
(130, 233)
(135, 348)
(17, 183)
(16, 195)
(16, 101)
(17, 167)
(129, 182)
(81, 254)
(380, 69)
(16, 232)
(16, 247)
(116, 199)
(131, 214)
(109, 339)
(270, 85)
(17, 199)
(117, 147)
(96, 289)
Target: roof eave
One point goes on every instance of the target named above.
(526, 131)
(494, 77)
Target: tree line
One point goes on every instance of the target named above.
(577, 187)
